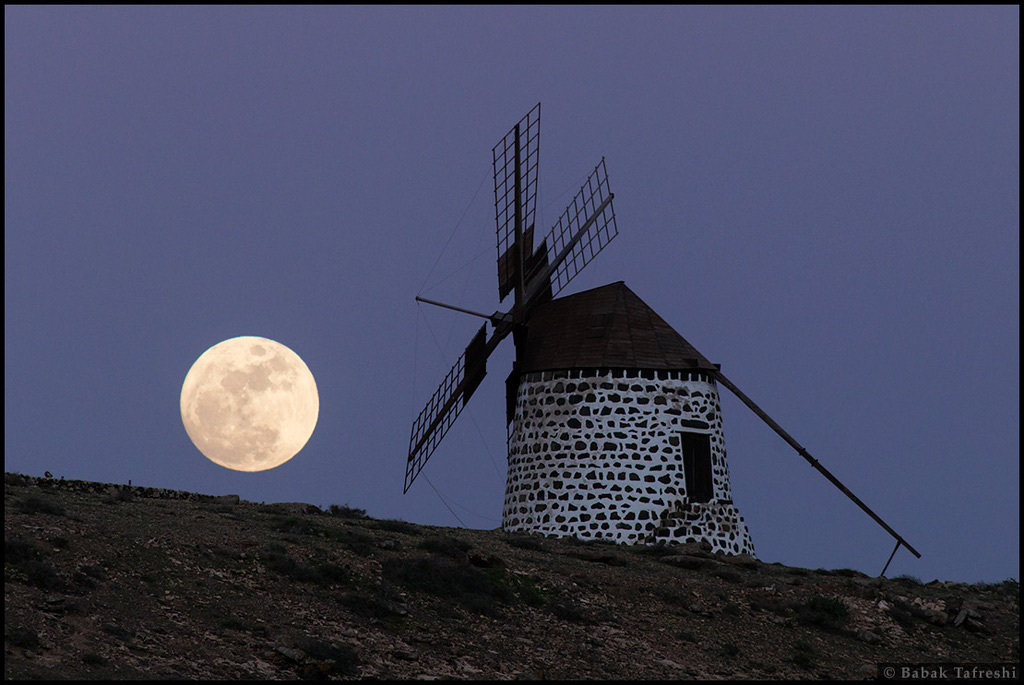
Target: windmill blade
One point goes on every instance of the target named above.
(583, 230)
(815, 463)
(446, 403)
(516, 164)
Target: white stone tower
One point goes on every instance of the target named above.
(616, 429)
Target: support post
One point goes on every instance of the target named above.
(886, 567)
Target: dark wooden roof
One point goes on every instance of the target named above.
(607, 327)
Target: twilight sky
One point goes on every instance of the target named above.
(825, 201)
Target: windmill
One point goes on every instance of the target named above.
(615, 424)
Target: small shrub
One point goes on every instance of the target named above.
(448, 547)
(118, 496)
(523, 586)
(233, 623)
(346, 512)
(829, 605)
(657, 551)
(804, 655)
(355, 541)
(528, 542)
(333, 573)
(849, 573)
(449, 579)
(17, 551)
(1010, 585)
(907, 580)
(94, 571)
(277, 559)
(687, 562)
(84, 581)
(379, 603)
(326, 659)
(823, 612)
(120, 632)
(567, 609)
(397, 526)
(295, 527)
(599, 557)
(93, 659)
(728, 575)
(88, 575)
(803, 646)
(730, 650)
(217, 551)
(26, 638)
(15, 479)
(42, 575)
(904, 613)
(34, 504)
(672, 596)
(772, 605)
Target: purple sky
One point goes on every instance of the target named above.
(823, 200)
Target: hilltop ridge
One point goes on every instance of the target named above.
(115, 581)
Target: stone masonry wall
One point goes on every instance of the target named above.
(596, 454)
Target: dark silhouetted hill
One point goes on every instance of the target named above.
(110, 581)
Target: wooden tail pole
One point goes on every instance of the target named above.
(814, 462)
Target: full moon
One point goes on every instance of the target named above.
(249, 403)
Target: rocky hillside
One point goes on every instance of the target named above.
(110, 581)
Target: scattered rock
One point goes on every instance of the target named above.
(296, 508)
(296, 655)
(481, 560)
(671, 664)
(742, 560)
(868, 671)
(869, 636)
(701, 548)
(686, 561)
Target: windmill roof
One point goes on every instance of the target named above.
(607, 327)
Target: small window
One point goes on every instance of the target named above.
(697, 466)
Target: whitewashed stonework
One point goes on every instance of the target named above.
(596, 454)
